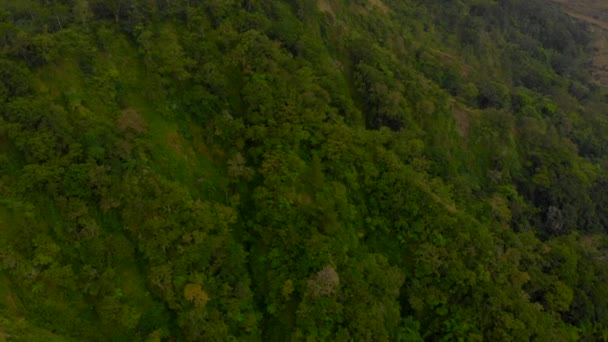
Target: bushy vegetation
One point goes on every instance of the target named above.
(296, 170)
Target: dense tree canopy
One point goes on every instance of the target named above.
(344, 170)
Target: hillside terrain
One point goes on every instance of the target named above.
(594, 13)
(331, 170)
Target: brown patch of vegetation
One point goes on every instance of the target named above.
(305, 199)
(194, 293)
(463, 123)
(380, 5)
(324, 283)
(174, 141)
(131, 120)
(326, 7)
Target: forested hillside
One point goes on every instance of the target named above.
(338, 170)
(594, 13)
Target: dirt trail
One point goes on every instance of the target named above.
(597, 22)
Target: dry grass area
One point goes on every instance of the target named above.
(595, 13)
(380, 5)
(331, 8)
(326, 7)
(592, 10)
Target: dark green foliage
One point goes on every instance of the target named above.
(300, 170)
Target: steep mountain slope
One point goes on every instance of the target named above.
(595, 13)
(298, 170)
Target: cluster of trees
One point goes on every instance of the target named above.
(340, 170)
